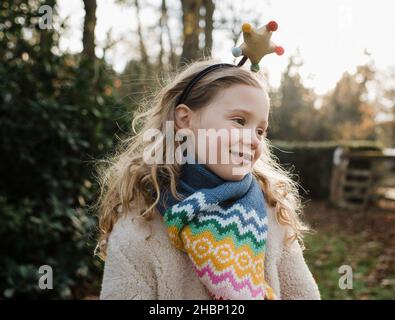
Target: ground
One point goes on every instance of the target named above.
(363, 240)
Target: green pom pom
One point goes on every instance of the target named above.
(254, 67)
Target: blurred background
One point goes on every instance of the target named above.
(72, 73)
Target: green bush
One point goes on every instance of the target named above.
(47, 146)
(57, 115)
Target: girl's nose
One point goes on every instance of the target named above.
(254, 145)
(253, 139)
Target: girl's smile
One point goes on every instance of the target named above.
(239, 157)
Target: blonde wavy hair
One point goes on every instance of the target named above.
(126, 180)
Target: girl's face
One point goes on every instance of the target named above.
(238, 119)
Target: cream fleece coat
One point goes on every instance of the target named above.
(137, 268)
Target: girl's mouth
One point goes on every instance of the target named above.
(241, 157)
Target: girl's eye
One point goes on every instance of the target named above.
(262, 132)
(239, 121)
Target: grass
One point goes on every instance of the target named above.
(355, 239)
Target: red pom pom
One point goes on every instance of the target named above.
(279, 50)
(272, 26)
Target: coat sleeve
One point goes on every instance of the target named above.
(296, 280)
(127, 273)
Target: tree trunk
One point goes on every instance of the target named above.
(143, 50)
(46, 35)
(165, 26)
(162, 20)
(190, 20)
(88, 38)
(208, 28)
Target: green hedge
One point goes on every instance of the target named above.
(56, 118)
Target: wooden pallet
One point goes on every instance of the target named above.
(357, 177)
(351, 184)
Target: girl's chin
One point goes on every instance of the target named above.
(238, 161)
(238, 172)
(231, 172)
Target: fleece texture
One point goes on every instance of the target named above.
(143, 264)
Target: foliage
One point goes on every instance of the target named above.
(348, 110)
(57, 116)
(345, 113)
(293, 116)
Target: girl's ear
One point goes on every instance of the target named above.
(182, 116)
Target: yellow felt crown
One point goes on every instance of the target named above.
(257, 43)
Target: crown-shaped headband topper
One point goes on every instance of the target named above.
(257, 44)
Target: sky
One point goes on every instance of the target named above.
(331, 36)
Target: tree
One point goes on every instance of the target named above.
(196, 13)
(88, 37)
(191, 30)
(209, 8)
(143, 50)
(232, 15)
(385, 102)
(293, 114)
(347, 112)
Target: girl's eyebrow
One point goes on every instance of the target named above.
(246, 113)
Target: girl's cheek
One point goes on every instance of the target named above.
(258, 151)
(235, 136)
(216, 148)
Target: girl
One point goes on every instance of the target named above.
(202, 229)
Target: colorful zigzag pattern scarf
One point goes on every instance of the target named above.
(222, 226)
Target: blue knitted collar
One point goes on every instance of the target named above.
(197, 177)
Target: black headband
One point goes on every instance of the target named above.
(201, 74)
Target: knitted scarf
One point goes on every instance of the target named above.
(222, 226)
